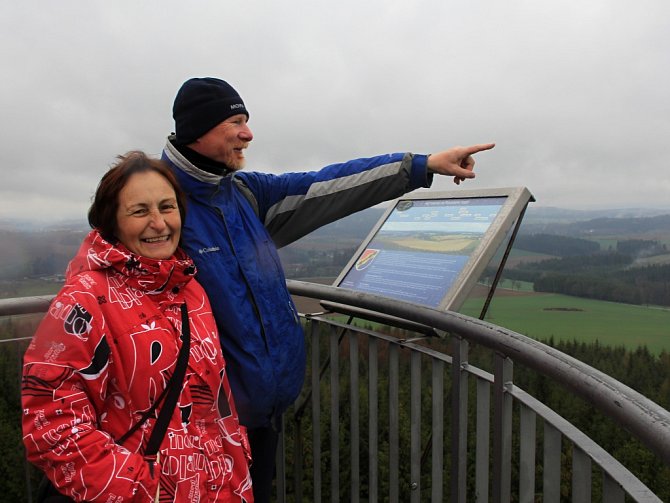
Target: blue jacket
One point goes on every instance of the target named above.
(233, 227)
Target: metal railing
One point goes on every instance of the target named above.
(384, 418)
(480, 436)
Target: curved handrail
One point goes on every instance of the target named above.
(646, 420)
(25, 305)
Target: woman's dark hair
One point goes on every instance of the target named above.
(102, 213)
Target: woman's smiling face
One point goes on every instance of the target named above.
(148, 220)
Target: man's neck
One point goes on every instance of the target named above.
(202, 162)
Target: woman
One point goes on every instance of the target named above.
(108, 346)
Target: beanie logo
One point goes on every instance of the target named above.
(236, 106)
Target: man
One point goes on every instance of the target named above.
(236, 220)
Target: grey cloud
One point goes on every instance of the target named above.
(574, 94)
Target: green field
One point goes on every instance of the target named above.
(655, 260)
(521, 286)
(542, 316)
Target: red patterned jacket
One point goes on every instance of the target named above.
(103, 353)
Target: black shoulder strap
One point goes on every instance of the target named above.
(176, 384)
(172, 391)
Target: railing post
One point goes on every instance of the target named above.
(581, 476)
(334, 418)
(612, 492)
(527, 458)
(502, 428)
(459, 418)
(316, 420)
(373, 415)
(438, 431)
(394, 420)
(415, 427)
(482, 442)
(551, 469)
(354, 448)
(297, 465)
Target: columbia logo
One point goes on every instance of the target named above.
(208, 250)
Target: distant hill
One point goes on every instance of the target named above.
(19, 225)
(37, 253)
(654, 226)
(538, 219)
(548, 214)
(621, 223)
(346, 231)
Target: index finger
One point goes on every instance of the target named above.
(473, 149)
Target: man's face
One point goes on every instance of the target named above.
(226, 142)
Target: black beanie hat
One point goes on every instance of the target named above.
(201, 104)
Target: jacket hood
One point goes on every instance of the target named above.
(163, 278)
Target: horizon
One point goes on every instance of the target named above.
(534, 211)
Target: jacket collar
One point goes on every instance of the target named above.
(178, 159)
(163, 279)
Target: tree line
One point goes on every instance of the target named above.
(603, 275)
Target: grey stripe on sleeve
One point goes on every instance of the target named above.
(328, 187)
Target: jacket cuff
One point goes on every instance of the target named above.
(420, 176)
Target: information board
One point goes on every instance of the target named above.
(430, 248)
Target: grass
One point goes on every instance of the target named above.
(520, 286)
(655, 260)
(542, 316)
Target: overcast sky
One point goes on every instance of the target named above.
(574, 93)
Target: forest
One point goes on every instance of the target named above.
(579, 267)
